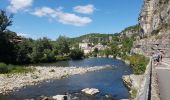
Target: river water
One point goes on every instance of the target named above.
(108, 81)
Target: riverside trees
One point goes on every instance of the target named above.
(15, 49)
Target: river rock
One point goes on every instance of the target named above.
(60, 97)
(90, 91)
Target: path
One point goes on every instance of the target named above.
(163, 73)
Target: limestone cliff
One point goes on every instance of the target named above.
(130, 31)
(155, 17)
(154, 21)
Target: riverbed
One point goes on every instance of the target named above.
(108, 81)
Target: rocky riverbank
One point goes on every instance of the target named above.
(11, 82)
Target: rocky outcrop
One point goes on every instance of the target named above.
(147, 46)
(130, 31)
(155, 17)
(154, 21)
(132, 82)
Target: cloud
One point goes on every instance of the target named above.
(18, 5)
(44, 11)
(22, 34)
(87, 9)
(62, 17)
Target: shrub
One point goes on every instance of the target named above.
(3, 68)
(138, 63)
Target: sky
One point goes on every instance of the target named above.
(71, 18)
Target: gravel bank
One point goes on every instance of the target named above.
(11, 82)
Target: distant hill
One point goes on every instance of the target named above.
(93, 38)
(106, 38)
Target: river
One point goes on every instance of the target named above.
(108, 82)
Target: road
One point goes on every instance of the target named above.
(163, 74)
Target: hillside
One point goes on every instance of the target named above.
(105, 38)
(94, 38)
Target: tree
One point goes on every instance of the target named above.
(24, 50)
(127, 44)
(5, 21)
(7, 47)
(95, 52)
(63, 45)
(114, 50)
(41, 50)
(107, 52)
(76, 54)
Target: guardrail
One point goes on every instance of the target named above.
(144, 93)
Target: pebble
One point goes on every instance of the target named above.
(16, 81)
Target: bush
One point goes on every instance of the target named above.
(138, 63)
(3, 68)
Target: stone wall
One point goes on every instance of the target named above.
(140, 83)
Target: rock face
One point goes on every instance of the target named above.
(154, 21)
(155, 16)
(132, 81)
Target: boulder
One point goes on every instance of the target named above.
(90, 91)
(60, 97)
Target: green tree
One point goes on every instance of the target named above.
(107, 52)
(63, 45)
(24, 50)
(5, 21)
(41, 50)
(7, 43)
(7, 53)
(114, 50)
(76, 54)
(95, 52)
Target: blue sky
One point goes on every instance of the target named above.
(72, 18)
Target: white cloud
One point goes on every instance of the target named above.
(18, 5)
(87, 9)
(62, 17)
(22, 34)
(44, 11)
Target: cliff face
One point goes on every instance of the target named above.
(154, 21)
(155, 17)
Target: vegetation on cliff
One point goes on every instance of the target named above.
(138, 63)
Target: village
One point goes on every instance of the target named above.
(89, 47)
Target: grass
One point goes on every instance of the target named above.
(10, 69)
